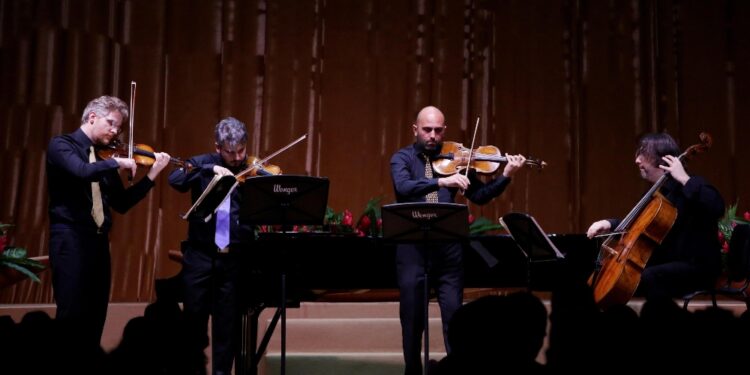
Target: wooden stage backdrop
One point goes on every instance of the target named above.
(571, 82)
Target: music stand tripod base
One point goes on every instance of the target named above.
(284, 200)
(426, 224)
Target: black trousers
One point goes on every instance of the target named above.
(81, 272)
(445, 266)
(211, 289)
(673, 280)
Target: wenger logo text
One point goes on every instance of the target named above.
(286, 190)
(419, 215)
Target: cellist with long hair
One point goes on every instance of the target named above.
(689, 257)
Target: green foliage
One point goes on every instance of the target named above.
(726, 227)
(332, 217)
(16, 257)
(730, 219)
(483, 225)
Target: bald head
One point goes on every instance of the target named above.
(429, 127)
(430, 113)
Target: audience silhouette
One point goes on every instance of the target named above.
(491, 334)
(496, 333)
(154, 343)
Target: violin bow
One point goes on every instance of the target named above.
(269, 157)
(471, 149)
(130, 118)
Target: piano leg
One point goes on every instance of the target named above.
(282, 308)
(426, 363)
(251, 352)
(247, 361)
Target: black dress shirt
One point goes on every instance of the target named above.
(411, 185)
(693, 237)
(201, 233)
(69, 178)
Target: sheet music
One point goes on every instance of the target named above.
(216, 192)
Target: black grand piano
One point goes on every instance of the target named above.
(338, 267)
(283, 269)
(319, 264)
(333, 267)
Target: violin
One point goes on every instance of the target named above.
(454, 157)
(257, 167)
(142, 154)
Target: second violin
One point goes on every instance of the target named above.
(455, 157)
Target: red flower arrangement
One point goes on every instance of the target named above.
(726, 227)
(370, 223)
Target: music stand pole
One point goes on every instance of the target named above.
(426, 225)
(282, 303)
(282, 306)
(285, 200)
(426, 255)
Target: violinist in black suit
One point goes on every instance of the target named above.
(413, 182)
(82, 188)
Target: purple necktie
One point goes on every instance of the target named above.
(222, 225)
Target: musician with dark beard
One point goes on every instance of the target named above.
(413, 182)
(210, 254)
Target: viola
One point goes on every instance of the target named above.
(142, 154)
(455, 157)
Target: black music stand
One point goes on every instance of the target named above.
(283, 200)
(531, 239)
(425, 223)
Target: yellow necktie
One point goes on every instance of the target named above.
(432, 197)
(97, 209)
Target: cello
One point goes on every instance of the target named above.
(621, 262)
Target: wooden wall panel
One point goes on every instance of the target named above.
(349, 130)
(739, 103)
(704, 80)
(610, 181)
(291, 92)
(391, 100)
(528, 102)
